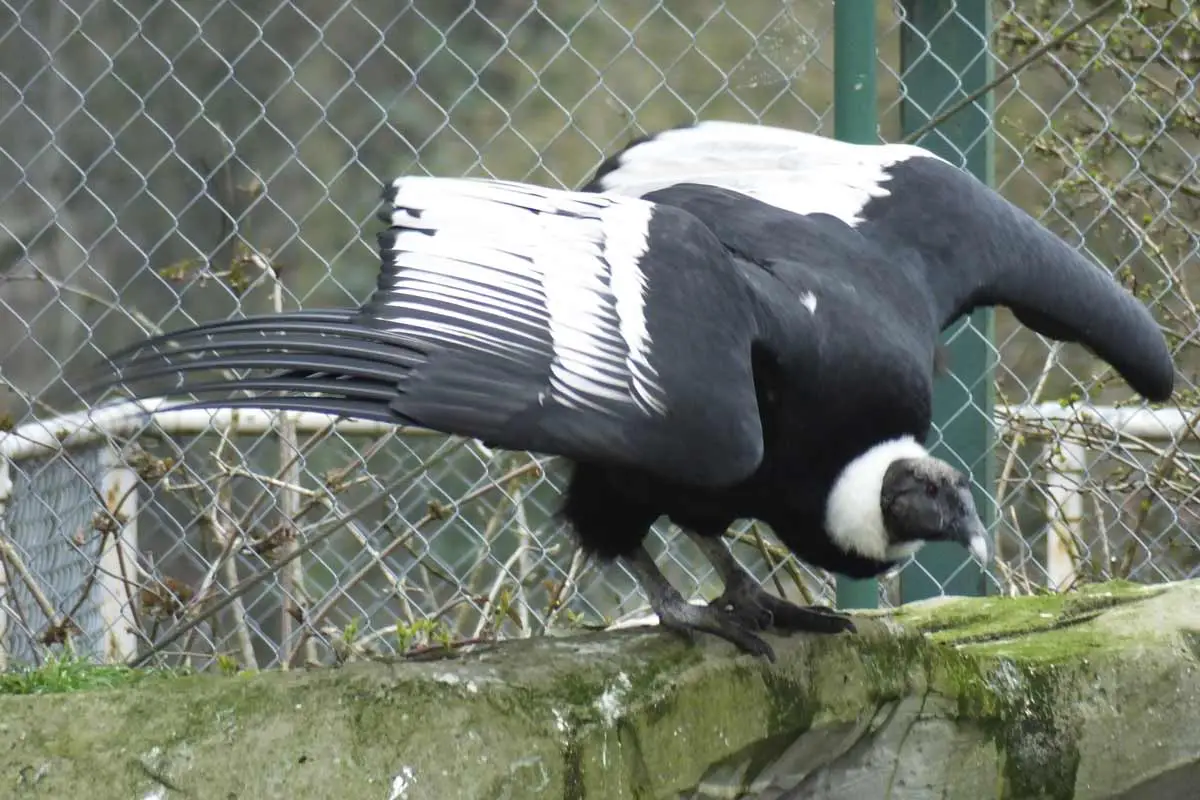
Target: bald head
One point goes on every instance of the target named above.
(895, 497)
(924, 499)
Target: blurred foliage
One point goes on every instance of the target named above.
(72, 673)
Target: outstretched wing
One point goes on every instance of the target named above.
(799, 172)
(975, 248)
(599, 328)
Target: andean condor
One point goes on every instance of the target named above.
(730, 321)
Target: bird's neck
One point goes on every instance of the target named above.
(853, 512)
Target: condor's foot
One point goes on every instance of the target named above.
(682, 617)
(758, 609)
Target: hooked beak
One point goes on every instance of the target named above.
(977, 540)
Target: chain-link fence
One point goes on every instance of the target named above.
(164, 162)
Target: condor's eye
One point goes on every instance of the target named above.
(931, 490)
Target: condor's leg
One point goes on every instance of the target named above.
(745, 598)
(610, 515)
(678, 614)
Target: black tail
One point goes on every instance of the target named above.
(324, 361)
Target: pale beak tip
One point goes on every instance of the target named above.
(981, 548)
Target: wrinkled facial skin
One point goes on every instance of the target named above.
(928, 500)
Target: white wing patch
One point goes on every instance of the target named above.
(809, 301)
(515, 270)
(800, 172)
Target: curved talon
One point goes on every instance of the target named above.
(688, 619)
(758, 609)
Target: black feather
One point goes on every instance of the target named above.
(779, 346)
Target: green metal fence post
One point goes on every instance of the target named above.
(944, 55)
(855, 120)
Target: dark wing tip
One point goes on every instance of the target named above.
(1158, 384)
(1135, 345)
(387, 201)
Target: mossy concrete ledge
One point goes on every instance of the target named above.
(1090, 695)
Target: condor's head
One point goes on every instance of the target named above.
(891, 500)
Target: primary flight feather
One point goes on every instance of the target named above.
(732, 321)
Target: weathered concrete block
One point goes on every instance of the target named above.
(1092, 695)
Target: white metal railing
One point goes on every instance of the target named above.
(119, 483)
(1068, 461)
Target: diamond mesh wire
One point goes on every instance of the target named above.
(48, 524)
(171, 161)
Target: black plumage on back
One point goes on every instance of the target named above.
(732, 321)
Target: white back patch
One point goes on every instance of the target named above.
(493, 266)
(800, 172)
(853, 514)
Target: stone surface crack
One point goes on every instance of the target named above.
(161, 779)
(912, 723)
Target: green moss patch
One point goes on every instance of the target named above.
(1026, 697)
(965, 621)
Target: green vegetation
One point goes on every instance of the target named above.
(69, 673)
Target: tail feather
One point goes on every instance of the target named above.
(278, 324)
(334, 406)
(293, 364)
(241, 353)
(326, 362)
(301, 384)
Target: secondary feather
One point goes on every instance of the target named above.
(531, 318)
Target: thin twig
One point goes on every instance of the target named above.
(782, 554)
(427, 650)
(562, 591)
(289, 505)
(1174, 182)
(526, 544)
(474, 587)
(494, 592)
(236, 592)
(1030, 57)
(316, 615)
(13, 604)
(1164, 465)
(151, 329)
(1105, 545)
(18, 564)
(1035, 397)
(218, 516)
